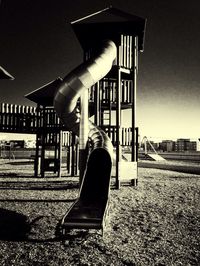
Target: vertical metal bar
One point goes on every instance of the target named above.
(101, 110)
(10, 117)
(1, 116)
(32, 115)
(73, 155)
(77, 166)
(111, 91)
(126, 141)
(43, 140)
(124, 51)
(128, 52)
(131, 52)
(122, 92)
(120, 49)
(134, 89)
(121, 53)
(7, 117)
(122, 140)
(68, 149)
(127, 92)
(110, 106)
(96, 104)
(36, 124)
(137, 133)
(99, 90)
(118, 125)
(60, 153)
(130, 136)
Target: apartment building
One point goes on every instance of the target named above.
(180, 145)
(167, 145)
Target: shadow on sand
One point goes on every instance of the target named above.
(13, 226)
(16, 227)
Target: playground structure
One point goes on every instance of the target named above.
(106, 79)
(103, 85)
(45, 124)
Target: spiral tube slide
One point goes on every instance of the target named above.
(89, 210)
(80, 79)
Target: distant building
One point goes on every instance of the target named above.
(198, 145)
(180, 145)
(167, 145)
(185, 145)
(193, 146)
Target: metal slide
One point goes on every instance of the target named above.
(90, 209)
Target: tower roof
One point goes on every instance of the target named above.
(44, 95)
(4, 74)
(108, 23)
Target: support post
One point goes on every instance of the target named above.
(60, 152)
(96, 105)
(36, 159)
(73, 155)
(137, 143)
(134, 89)
(118, 127)
(43, 140)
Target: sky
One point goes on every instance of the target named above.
(37, 45)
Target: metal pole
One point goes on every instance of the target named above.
(43, 140)
(60, 152)
(73, 155)
(118, 127)
(137, 143)
(134, 90)
(36, 159)
(97, 105)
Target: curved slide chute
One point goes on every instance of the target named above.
(89, 210)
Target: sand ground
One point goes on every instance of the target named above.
(155, 223)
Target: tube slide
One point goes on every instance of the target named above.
(89, 211)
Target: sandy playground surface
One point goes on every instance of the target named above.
(156, 223)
